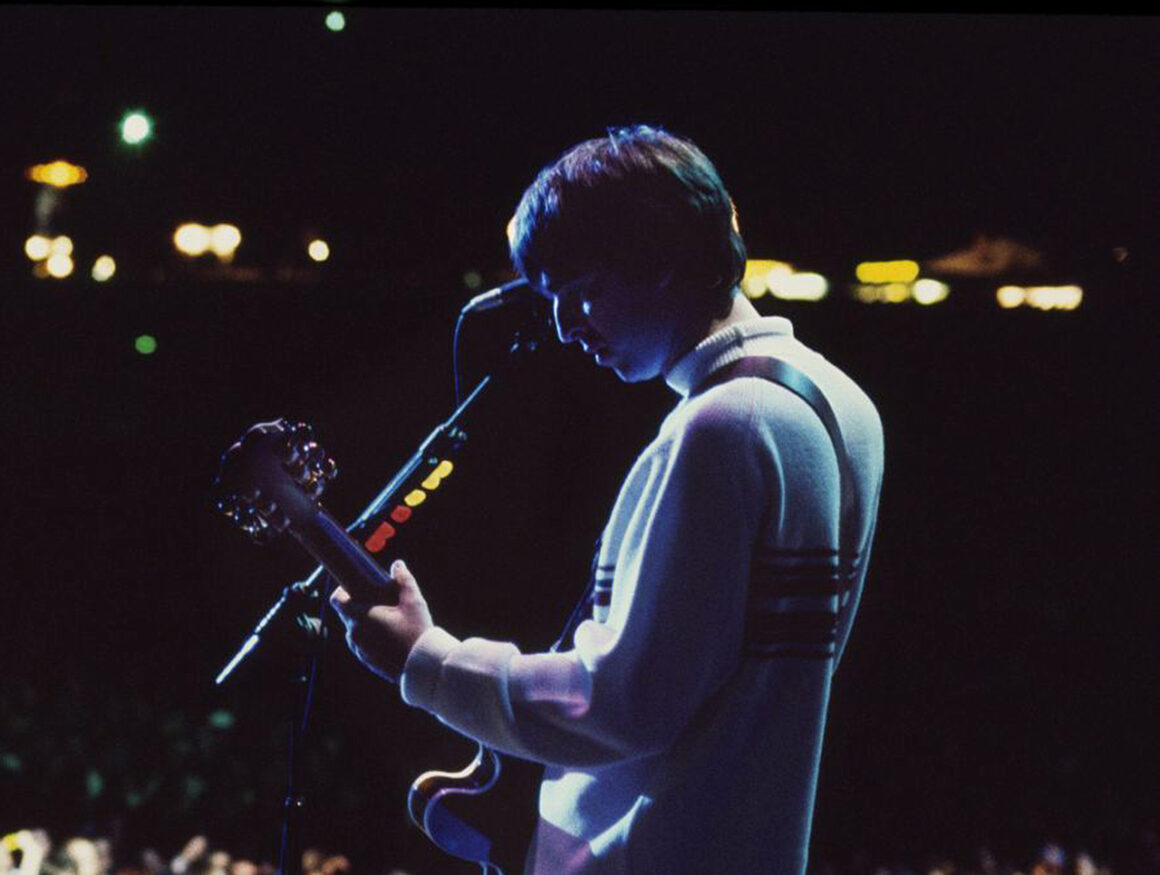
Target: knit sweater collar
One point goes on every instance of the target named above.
(721, 348)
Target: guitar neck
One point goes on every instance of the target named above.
(346, 560)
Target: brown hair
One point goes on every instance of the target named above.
(642, 203)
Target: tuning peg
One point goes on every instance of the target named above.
(329, 469)
(235, 507)
(293, 453)
(264, 533)
(300, 467)
(299, 433)
(272, 516)
(255, 525)
(316, 459)
(288, 451)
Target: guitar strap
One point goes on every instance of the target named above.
(784, 374)
(795, 380)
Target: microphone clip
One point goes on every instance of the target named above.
(509, 293)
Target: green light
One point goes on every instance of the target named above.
(136, 128)
(94, 783)
(335, 21)
(146, 344)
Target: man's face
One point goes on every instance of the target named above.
(632, 328)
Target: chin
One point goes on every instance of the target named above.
(630, 374)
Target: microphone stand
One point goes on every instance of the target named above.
(305, 666)
(300, 598)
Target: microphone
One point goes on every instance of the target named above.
(500, 296)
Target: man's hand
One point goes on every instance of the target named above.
(379, 634)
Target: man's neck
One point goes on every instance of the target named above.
(742, 310)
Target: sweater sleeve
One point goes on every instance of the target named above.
(628, 686)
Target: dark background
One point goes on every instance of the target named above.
(999, 686)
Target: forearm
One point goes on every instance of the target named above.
(534, 706)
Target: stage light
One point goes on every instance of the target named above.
(104, 268)
(59, 265)
(61, 245)
(146, 344)
(1040, 297)
(224, 240)
(798, 286)
(758, 275)
(136, 128)
(335, 21)
(1054, 297)
(895, 293)
(318, 250)
(415, 497)
(928, 291)
(58, 174)
(37, 247)
(192, 239)
(900, 271)
(1010, 297)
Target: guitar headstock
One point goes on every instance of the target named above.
(272, 478)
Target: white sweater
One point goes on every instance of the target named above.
(683, 730)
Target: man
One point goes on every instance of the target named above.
(682, 730)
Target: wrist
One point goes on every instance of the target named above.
(423, 664)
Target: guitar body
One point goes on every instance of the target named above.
(451, 809)
(270, 483)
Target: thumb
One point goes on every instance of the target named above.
(408, 586)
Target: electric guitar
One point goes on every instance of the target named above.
(271, 482)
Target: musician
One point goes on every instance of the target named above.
(682, 727)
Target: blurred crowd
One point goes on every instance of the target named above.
(33, 852)
(1143, 858)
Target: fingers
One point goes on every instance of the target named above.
(408, 590)
(339, 599)
(402, 576)
(346, 606)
